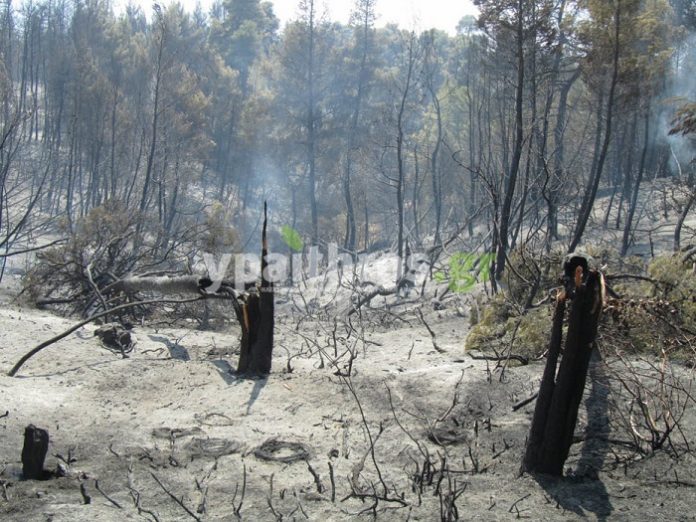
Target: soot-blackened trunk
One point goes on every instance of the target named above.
(34, 453)
(560, 395)
(257, 321)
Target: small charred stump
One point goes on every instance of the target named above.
(556, 411)
(34, 453)
(256, 319)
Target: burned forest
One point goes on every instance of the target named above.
(351, 259)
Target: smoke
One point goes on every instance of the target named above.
(683, 89)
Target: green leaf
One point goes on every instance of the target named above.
(464, 284)
(485, 266)
(292, 238)
(466, 270)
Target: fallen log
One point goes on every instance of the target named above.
(369, 296)
(95, 317)
(181, 284)
(255, 315)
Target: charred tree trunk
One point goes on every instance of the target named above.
(311, 123)
(513, 172)
(434, 164)
(680, 221)
(144, 198)
(628, 181)
(416, 196)
(366, 225)
(256, 319)
(593, 182)
(34, 453)
(351, 227)
(401, 168)
(560, 395)
(628, 225)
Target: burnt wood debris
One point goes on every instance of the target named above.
(254, 308)
(256, 319)
(560, 393)
(34, 453)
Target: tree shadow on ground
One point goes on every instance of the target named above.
(579, 495)
(230, 376)
(256, 392)
(226, 371)
(176, 351)
(583, 491)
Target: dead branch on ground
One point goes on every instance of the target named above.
(179, 501)
(366, 298)
(356, 491)
(430, 331)
(79, 325)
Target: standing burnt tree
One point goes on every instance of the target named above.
(560, 394)
(256, 319)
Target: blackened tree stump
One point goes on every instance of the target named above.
(34, 453)
(256, 319)
(556, 412)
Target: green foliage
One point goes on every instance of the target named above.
(501, 327)
(679, 283)
(465, 271)
(292, 238)
(247, 28)
(651, 316)
(658, 315)
(491, 324)
(525, 268)
(534, 332)
(645, 45)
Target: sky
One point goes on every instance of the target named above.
(408, 14)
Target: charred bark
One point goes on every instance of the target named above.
(556, 411)
(257, 321)
(255, 315)
(34, 453)
(510, 182)
(628, 226)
